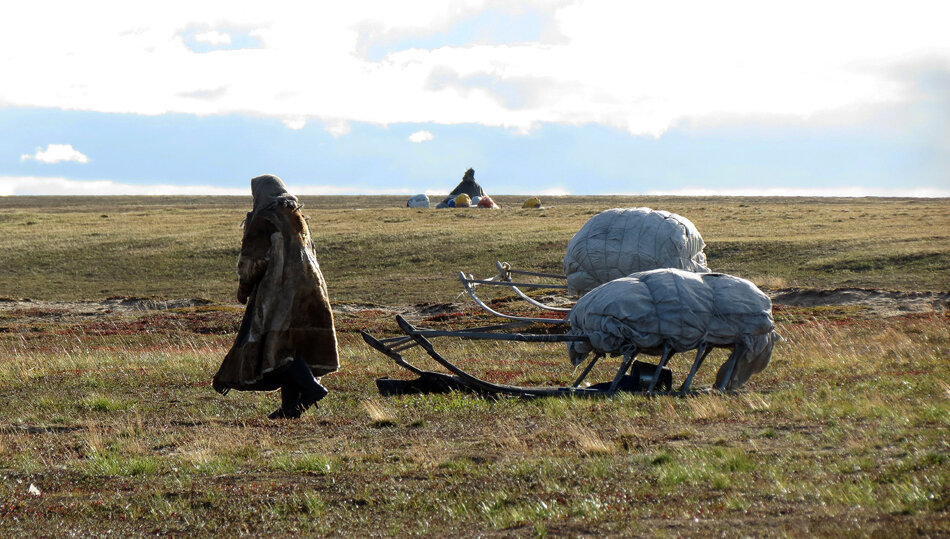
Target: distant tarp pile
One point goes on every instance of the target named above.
(418, 201)
(533, 202)
(468, 194)
(668, 307)
(621, 241)
(485, 202)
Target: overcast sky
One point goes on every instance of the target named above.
(540, 97)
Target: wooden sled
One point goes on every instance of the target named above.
(642, 377)
(632, 376)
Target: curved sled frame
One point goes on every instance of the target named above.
(467, 284)
(398, 344)
(470, 382)
(504, 279)
(505, 269)
(419, 335)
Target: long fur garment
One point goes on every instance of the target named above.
(288, 312)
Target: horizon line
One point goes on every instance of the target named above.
(11, 186)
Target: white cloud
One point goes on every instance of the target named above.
(337, 128)
(56, 153)
(421, 136)
(638, 66)
(296, 123)
(31, 185)
(213, 37)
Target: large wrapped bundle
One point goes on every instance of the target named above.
(644, 311)
(418, 201)
(621, 241)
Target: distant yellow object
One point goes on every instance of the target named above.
(532, 202)
(463, 200)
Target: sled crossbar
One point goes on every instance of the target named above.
(403, 342)
(467, 285)
(513, 284)
(520, 337)
(504, 273)
(505, 268)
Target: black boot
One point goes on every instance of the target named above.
(299, 391)
(289, 402)
(310, 389)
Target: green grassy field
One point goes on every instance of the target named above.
(109, 412)
(372, 249)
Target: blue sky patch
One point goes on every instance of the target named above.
(226, 151)
(203, 40)
(491, 26)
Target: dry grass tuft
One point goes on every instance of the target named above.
(945, 387)
(755, 402)
(94, 439)
(378, 414)
(707, 407)
(508, 440)
(426, 453)
(773, 282)
(589, 441)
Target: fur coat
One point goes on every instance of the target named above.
(288, 311)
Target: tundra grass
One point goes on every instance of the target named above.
(115, 424)
(112, 422)
(373, 250)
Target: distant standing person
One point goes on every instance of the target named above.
(287, 339)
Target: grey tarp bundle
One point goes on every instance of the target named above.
(621, 241)
(644, 311)
(418, 201)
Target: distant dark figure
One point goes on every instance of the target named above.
(287, 339)
(468, 185)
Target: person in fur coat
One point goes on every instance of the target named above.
(287, 339)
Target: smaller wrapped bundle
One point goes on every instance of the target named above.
(621, 241)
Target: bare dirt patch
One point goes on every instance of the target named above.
(884, 303)
(59, 310)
